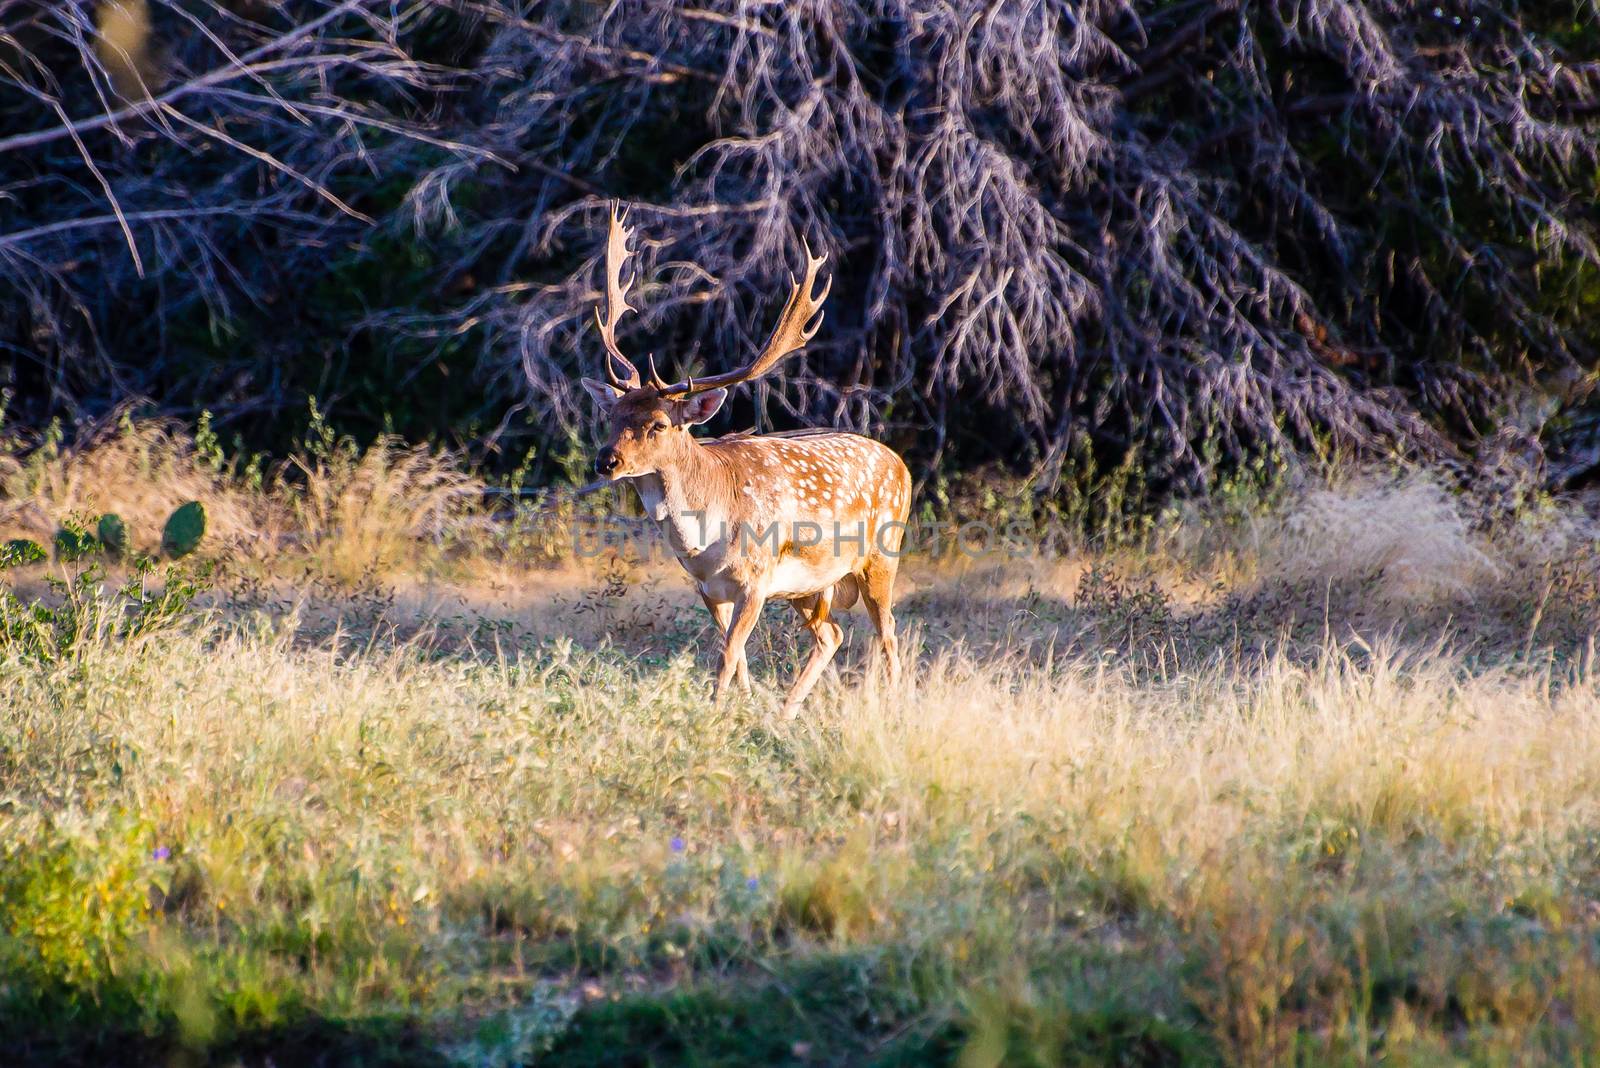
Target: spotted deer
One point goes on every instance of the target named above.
(813, 517)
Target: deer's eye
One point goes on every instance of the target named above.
(656, 428)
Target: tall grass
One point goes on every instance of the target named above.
(1113, 815)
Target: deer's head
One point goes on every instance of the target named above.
(648, 429)
(650, 420)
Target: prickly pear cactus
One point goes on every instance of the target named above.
(72, 543)
(21, 551)
(184, 529)
(113, 534)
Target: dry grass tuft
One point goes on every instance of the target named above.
(378, 509)
(1408, 535)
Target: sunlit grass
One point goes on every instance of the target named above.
(1341, 808)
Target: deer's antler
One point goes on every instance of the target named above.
(616, 301)
(789, 337)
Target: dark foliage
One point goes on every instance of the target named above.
(1190, 231)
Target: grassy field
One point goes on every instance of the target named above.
(1303, 776)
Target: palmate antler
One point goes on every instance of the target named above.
(617, 254)
(799, 323)
(790, 336)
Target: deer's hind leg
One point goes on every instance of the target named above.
(877, 594)
(829, 635)
(722, 614)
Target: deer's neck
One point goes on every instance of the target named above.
(686, 499)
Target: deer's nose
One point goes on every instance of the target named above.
(607, 461)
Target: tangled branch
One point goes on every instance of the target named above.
(1190, 231)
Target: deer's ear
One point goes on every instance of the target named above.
(698, 408)
(604, 393)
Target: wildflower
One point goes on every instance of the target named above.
(752, 883)
(677, 845)
(161, 853)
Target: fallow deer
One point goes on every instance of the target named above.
(813, 517)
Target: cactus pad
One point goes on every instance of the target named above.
(113, 534)
(184, 529)
(72, 543)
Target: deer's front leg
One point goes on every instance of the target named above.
(722, 614)
(746, 610)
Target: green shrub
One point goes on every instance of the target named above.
(82, 609)
(77, 899)
(20, 551)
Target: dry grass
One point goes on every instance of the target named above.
(1409, 533)
(486, 816)
(140, 471)
(378, 509)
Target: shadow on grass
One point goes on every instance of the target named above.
(818, 1023)
(315, 1042)
(1128, 616)
(833, 1009)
